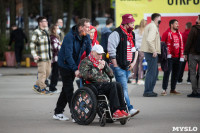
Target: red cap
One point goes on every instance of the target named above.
(127, 18)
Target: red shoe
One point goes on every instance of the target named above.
(124, 113)
(118, 114)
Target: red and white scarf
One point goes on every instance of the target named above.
(93, 60)
(129, 38)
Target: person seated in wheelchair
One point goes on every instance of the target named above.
(96, 71)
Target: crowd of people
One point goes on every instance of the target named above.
(119, 54)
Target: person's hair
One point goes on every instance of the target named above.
(155, 15)
(40, 19)
(109, 21)
(172, 21)
(136, 27)
(142, 25)
(13, 25)
(95, 23)
(52, 28)
(82, 21)
(189, 25)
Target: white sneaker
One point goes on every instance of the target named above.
(189, 83)
(134, 82)
(179, 83)
(163, 93)
(140, 82)
(73, 121)
(60, 117)
(134, 112)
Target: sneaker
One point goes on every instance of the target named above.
(152, 94)
(140, 82)
(118, 114)
(133, 82)
(175, 92)
(164, 93)
(47, 83)
(37, 89)
(179, 83)
(73, 121)
(45, 92)
(134, 112)
(194, 95)
(189, 83)
(60, 117)
(55, 92)
(124, 113)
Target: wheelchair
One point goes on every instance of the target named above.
(87, 102)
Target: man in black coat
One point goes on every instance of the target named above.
(17, 36)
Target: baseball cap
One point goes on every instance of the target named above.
(98, 49)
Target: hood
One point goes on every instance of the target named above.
(95, 35)
(105, 29)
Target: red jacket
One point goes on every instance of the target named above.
(185, 36)
(165, 36)
(175, 45)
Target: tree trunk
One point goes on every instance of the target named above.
(12, 12)
(3, 19)
(54, 11)
(26, 20)
(89, 9)
(69, 15)
(60, 9)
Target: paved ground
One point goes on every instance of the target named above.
(23, 111)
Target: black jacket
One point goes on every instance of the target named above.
(18, 37)
(121, 54)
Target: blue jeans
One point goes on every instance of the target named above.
(152, 72)
(121, 76)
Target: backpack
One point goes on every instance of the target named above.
(197, 42)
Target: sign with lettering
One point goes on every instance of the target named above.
(185, 10)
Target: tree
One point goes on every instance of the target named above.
(69, 14)
(26, 20)
(57, 10)
(12, 6)
(3, 19)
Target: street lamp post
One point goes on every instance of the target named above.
(41, 8)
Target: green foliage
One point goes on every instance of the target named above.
(3, 46)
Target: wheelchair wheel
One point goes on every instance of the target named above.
(123, 121)
(83, 106)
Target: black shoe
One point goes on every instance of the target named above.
(47, 83)
(194, 95)
(129, 81)
(152, 94)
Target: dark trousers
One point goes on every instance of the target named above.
(181, 72)
(152, 72)
(18, 52)
(114, 93)
(54, 76)
(173, 66)
(195, 72)
(67, 90)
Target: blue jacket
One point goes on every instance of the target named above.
(105, 32)
(72, 48)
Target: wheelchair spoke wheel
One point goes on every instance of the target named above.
(84, 105)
